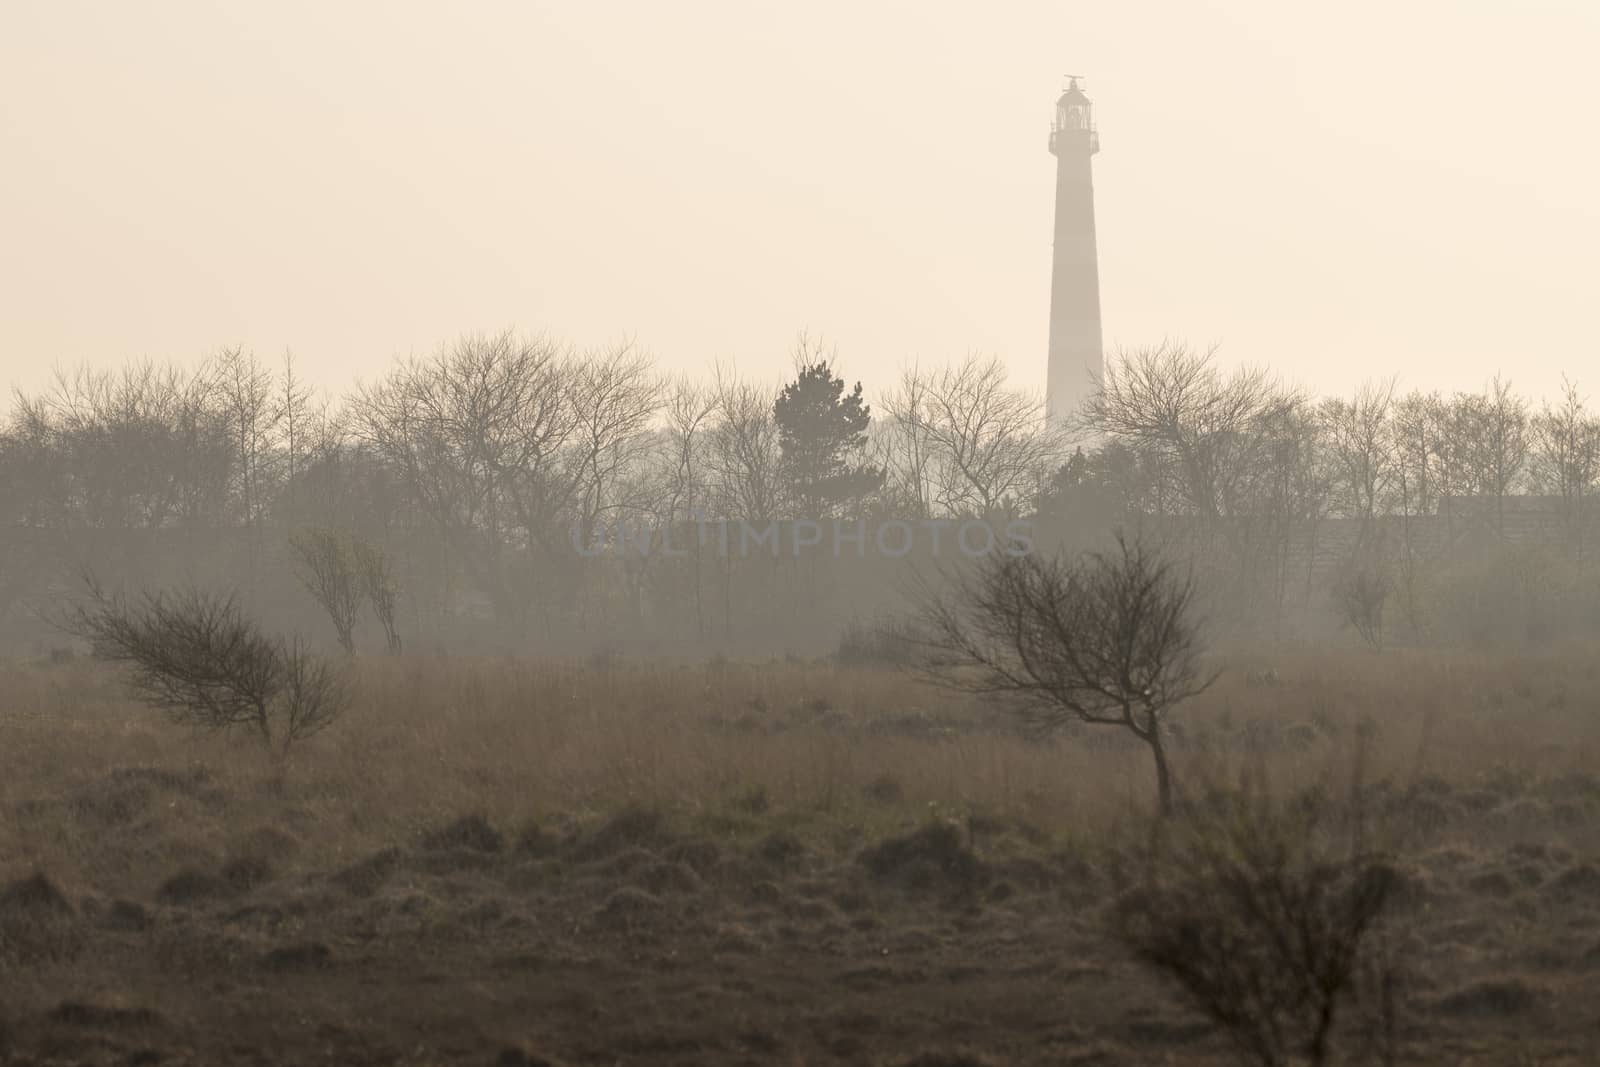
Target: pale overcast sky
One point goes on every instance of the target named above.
(1340, 190)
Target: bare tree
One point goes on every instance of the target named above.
(902, 447)
(1358, 437)
(1486, 445)
(615, 394)
(1566, 460)
(1284, 495)
(1174, 399)
(293, 413)
(310, 697)
(380, 588)
(23, 485)
(1504, 441)
(1415, 433)
(331, 489)
(745, 463)
(745, 458)
(477, 434)
(690, 410)
(329, 566)
(118, 450)
(246, 389)
(204, 464)
(1109, 640)
(970, 444)
(197, 656)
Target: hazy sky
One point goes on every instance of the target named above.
(1342, 191)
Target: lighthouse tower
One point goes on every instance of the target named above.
(1076, 357)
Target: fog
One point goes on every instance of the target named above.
(927, 535)
(485, 291)
(1341, 195)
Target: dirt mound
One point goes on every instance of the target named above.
(1025, 872)
(179, 947)
(1492, 884)
(244, 873)
(665, 879)
(1412, 887)
(454, 861)
(736, 939)
(946, 1059)
(267, 843)
(366, 876)
(627, 907)
(1533, 850)
(884, 789)
(471, 833)
(698, 854)
(126, 916)
(517, 1057)
(534, 840)
(933, 857)
(1426, 812)
(191, 886)
(633, 827)
(1160, 1029)
(1509, 996)
(781, 846)
(625, 864)
(34, 897)
(37, 922)
(765, 894)
(85, 1013)
(1581, 880)
(305, 956)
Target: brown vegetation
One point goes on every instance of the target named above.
(548, 862)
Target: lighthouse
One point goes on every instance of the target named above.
(1076, 356)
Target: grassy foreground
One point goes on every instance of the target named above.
(507, 861)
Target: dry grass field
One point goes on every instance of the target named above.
(508, 862)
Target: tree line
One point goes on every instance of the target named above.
(478, 469)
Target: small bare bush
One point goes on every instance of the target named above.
(197, 656)
(1265, 915)
(883, 643)
(329, 565)
(1361, 594)
(381, 589)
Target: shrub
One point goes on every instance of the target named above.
(340, 571)
(327, 566)
(1265, 921)
(1360, 593)
(929, 857)
(197, 656)
(884, 643)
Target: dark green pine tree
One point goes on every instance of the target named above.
(820, 431)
